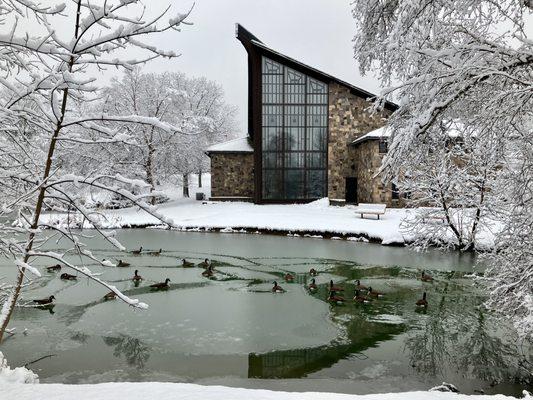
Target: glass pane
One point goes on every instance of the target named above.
(273, 160)
(295, 116)
(316, 184)
(271, 67)
(272, 189)
(272, 139)
(294, 139)
(316, 160)
(316, 139)
(294, 184)
(294, 160)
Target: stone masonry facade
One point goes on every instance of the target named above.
(232, 175)
(350, 118)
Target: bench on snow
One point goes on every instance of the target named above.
(370, 209)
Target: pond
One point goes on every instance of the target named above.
(232, 330)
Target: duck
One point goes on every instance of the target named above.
(313, 272)
(361, 299)
(123, 264)
(422, 302)
(374, 293)
(161, 285)
(208, 272)
(312, 286)
(425, 277)
(136, 276)
(54, 268)
(277, 288)
(186, 264)
(289, 277)
(110, 296)
(68, 277)
(333, 298)
(206, 263)
(156, 252)
(358, 285)
(42, 302)
(333, 288)
(137, 252)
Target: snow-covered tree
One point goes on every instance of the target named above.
(195, 105)
(45, 73)
(468, 61)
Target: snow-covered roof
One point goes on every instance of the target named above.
(239, 145)
(376, 134)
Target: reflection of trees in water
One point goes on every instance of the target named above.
(458, 334)
(132, 349)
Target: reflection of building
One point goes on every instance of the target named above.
(301, 362)
(311, 136)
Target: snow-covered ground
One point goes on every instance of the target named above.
(318, 218)
(22, 384)
(184, 391)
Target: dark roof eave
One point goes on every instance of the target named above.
(208, 153)
(249, 40)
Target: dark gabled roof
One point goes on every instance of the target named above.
(250, 40)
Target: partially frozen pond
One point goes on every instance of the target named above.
(234, 331)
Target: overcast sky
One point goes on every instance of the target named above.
(316, 32)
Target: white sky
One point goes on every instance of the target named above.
(316, 32)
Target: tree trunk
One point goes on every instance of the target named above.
(149, 172)
(185, 185)
(9, 304)
(200, 178)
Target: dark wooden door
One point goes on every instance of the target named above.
(351, 190)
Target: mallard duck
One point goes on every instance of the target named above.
(289, 278)
(205, 264)
(425, 277)
(313, 272)
(422, 302)
(156, 253)
(373, 293)
(137, 252)
(187, 264)
(333, 298)
(54, 268)
(277, 288)
(358, 285)
(312, 286)
(68, 277)
(361, 299)
(110, 296)
(136, 276)
(333, 288)
(123, 264)
(48, 300)
(161, 285)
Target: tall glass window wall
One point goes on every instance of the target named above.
(295, 125)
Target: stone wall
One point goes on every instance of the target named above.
(349, 118)
(232, 175)
(370, 189)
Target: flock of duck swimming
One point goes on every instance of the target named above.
(363, 294)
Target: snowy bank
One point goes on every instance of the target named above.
(317, 218)
(16, 375)
(184, 391)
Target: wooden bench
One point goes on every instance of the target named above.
(370, 209)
